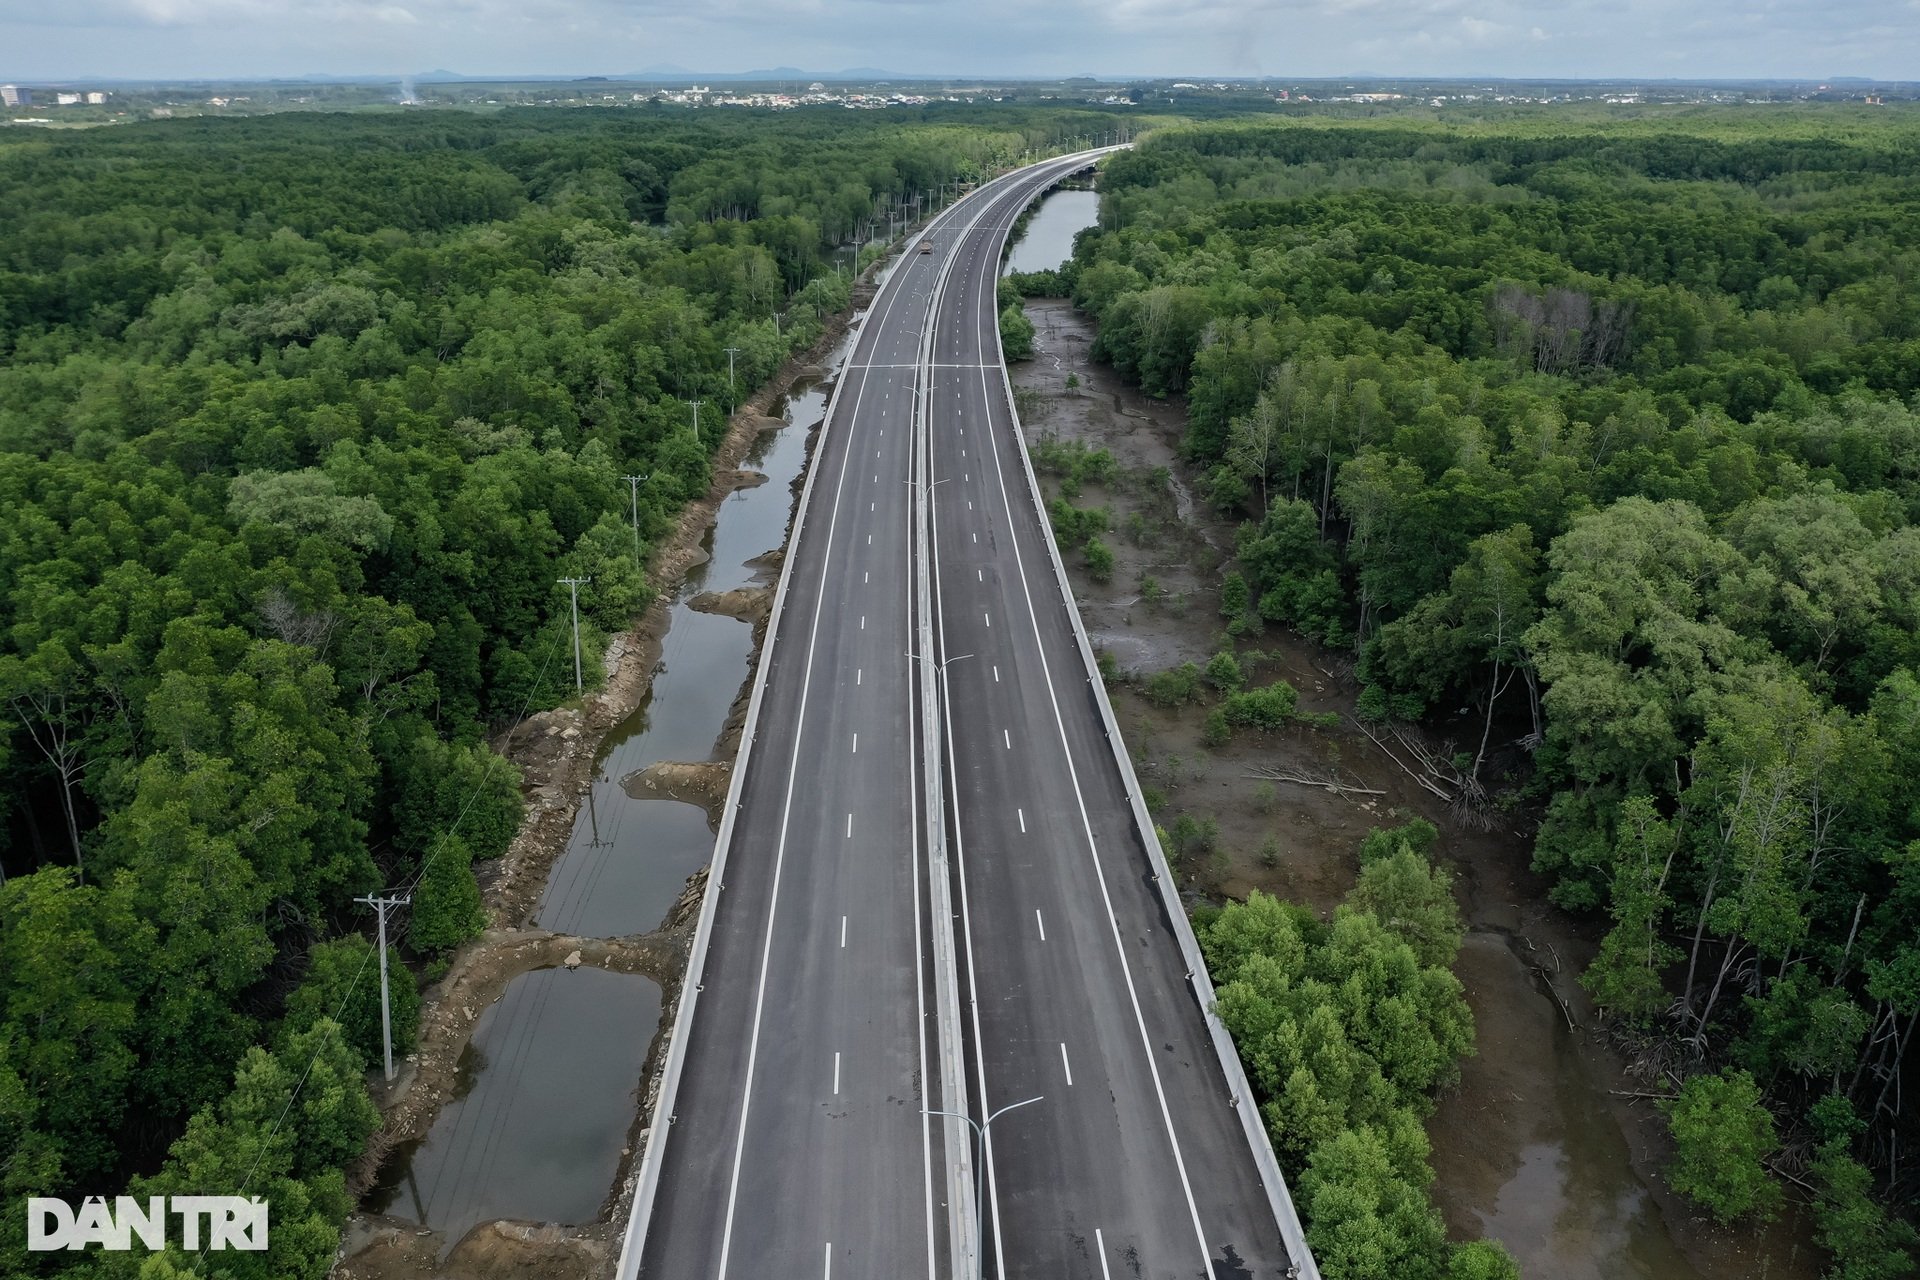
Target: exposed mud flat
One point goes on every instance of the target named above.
(1534, 1147)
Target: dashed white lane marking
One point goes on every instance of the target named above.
(1007, 738)
(843, 931)
(996, 675)
(856, 744)
(856, 675)
(1037, 919)
(850, 827)
(987, 616)
(1063, 1062)
(836, 1069)
(976, 537)
(829, 1274)
(869, 539)
(1021, 812)
(867, 576)
(870, 506)
(1100, 1247)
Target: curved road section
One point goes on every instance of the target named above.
(932, 888)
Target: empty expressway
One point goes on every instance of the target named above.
(931, 891)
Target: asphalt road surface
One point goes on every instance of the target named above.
(797, 1144)
(1134, 1163)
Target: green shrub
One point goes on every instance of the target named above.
(1173, 686)
(1266, 709)
(1418, 835)
(1099, 560)
(1722, 1136)
(1223, 672)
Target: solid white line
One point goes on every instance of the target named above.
(1037, 919)
(780, 847)
(836, 1069)
(1093, 853)
(1063, 1062)
(1100, 1247)
(959, 855)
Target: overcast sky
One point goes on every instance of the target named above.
(75, 39)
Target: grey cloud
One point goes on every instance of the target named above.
(1706, 38)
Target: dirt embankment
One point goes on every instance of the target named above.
(1537, 1145)
(555, 751)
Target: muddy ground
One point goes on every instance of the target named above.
(555, 752)
(1538, 1144)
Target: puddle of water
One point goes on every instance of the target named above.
(545, 1095)
(1048, 240)
(628, 858)
(1528, 1153)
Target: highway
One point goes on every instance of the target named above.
(1134, 1163)
(797, 1144)
(931, 894)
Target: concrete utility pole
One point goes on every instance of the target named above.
(380, 905)
(634, 483)
(731, 353)
(695, 406)
(579, 686)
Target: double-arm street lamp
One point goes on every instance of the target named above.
(980, 1128)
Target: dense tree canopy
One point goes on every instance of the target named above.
(1611, 435)
(300, 419)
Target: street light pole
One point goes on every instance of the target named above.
(980, 1131)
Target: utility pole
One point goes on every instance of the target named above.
(695, 406)
(634, 483)
(380, 905)
(579, 686)
(731, 353)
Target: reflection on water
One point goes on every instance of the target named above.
(542, 1103)
(1048, 240)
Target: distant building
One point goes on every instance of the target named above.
(14, 96)
(96, 99)
(67, 99)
